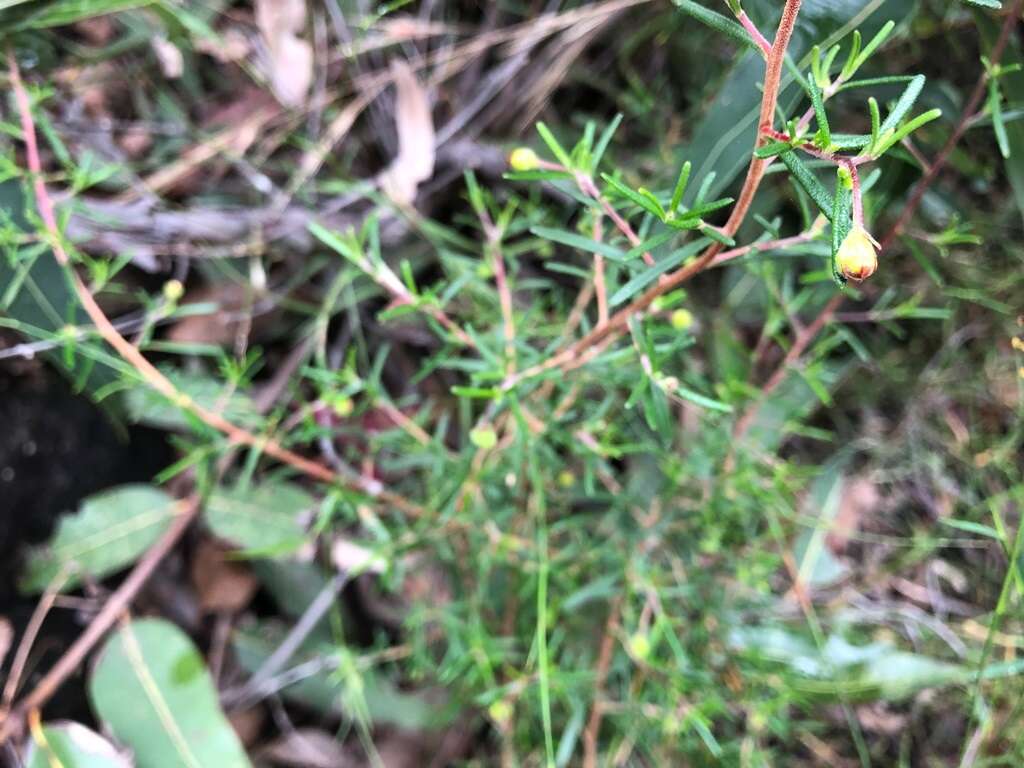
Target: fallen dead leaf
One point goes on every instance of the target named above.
(282, 22)
(415, 160)
(224, 586)
(308, 748)
(220, 326)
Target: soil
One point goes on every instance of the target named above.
(56, 448)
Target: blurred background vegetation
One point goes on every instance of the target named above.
(759, 528)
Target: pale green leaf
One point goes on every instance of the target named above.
(151, 688)
(108, 533)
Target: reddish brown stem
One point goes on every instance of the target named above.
(72, 660)
(131, 354)
(755, 173)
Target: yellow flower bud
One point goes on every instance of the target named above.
(857, 258)
(682, 319)
(173, 290)
(523, 159)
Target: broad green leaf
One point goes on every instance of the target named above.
(147, 406)
(816, 564)
(109, 531)
(35, 292)
(876, 671)
(262, 519)
(151, 688)
(71, 745)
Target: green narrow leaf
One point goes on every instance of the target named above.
(604, 141)
(1011, 85)
(995, 5)
(903, 104)
(680, 190)
(842, 222)
(639, 199)
(824, 136)
(63, 12)
(574, 240)
(995, 108)
(151, 688)
(716, 21)
(641, 280)
(880, 37)
(556, 149)
(876, 120)
(806, 179)
(702, 400)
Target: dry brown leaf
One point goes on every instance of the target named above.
(221, 326)
(308, 748)
(6, 635)
(282, 22)
(223, 586)
(415, 124)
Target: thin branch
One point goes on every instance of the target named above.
(119, 601)
(145, 369)
(755, 173)
(604, 662)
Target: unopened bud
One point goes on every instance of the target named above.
(857, 258)
(523, 159)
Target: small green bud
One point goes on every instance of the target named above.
(483, 438)
(566, 479)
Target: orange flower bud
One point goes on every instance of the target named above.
(857, 258)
